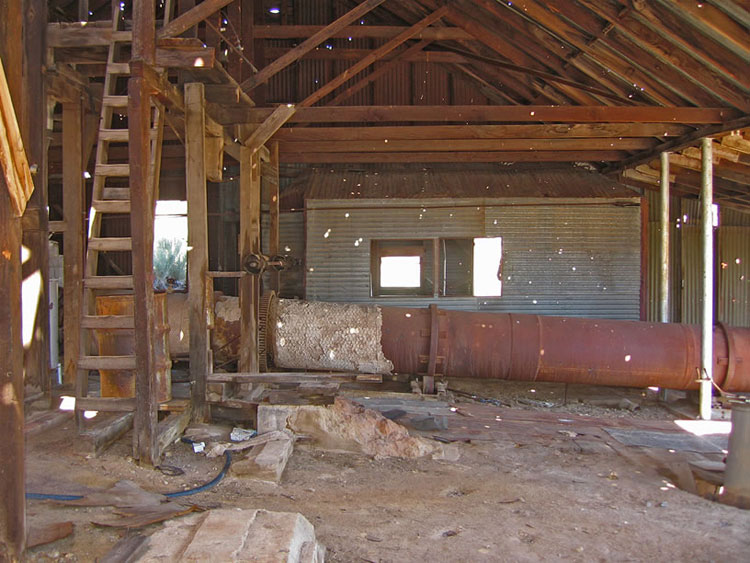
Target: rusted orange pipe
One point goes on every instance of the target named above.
(511, 346)
(560, 349)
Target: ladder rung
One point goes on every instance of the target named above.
(111, 206)
(109, 282)
(114, 135)
(112, 169)
(122, 36)
(118, 68)
(106, 362)
(105, 404)
(111, 244)
(115, 101)
(107, 321)
(116, 193)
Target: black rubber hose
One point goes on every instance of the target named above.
(212, 483)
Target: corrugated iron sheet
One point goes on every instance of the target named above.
(734, 276)
(292, 243)
(467, 181)
(692, 280)
(577, 258)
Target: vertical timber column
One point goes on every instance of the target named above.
(664, 239)
(12, 474)
(249, 242)
(145, 448)
(707, 316)
(73, 201)
(12, 481)
(195, 171)
(274, 208)
(35, 236)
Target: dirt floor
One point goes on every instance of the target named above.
(532, 493)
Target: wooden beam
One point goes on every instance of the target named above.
(73, 237)
(324, 54)
(715, 23)
(195, 174)
(486, 156)
(359, 66)
(530, 131)
(274, 201)
(34, 130)
(678, 143)
(142, 234)
(13, 162)
(273, 123)
(310, 43)
(384, 69)
(250, 175)
(195, 15)
(650, 40)
(500, 114)
(172, 427)
(474, 145)
(12, 471)
(359, 32)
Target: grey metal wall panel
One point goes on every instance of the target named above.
(292, 243)
(734, 276)
(582, 258)
(572, 260)
(692, 281)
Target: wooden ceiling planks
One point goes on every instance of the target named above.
(620, 70)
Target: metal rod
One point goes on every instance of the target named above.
(664, 240)
(707, 315)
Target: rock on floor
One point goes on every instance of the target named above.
(236, 535)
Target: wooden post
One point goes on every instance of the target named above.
(12, 474)
(145, 448)
(274, 206)
(35, 237)
(249, 242)
(195, 172)
(12, 477)
(73, 201)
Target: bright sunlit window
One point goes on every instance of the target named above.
(400, 271)
(487, 260)
(170, 245)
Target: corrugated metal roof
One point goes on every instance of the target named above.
(420, 181)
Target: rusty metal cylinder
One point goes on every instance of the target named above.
(512, 346)
(737, 477)
(121, 342)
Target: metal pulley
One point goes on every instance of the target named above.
(256, 264)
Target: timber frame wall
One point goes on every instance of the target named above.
(567, 117)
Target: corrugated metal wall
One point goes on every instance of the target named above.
(734, 276)
(732, 259)
(292, 243)
(571, 257)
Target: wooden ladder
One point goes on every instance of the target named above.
(110, 198)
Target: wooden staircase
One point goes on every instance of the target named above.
(111, 199)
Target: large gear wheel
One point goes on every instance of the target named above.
(267, 301)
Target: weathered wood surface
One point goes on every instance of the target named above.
(195, 173)
(309, 44)
(249, 242)
(520, 114)
(15, 166)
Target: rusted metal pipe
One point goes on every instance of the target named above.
(525, 347)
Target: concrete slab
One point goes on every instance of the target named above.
(236, 535)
